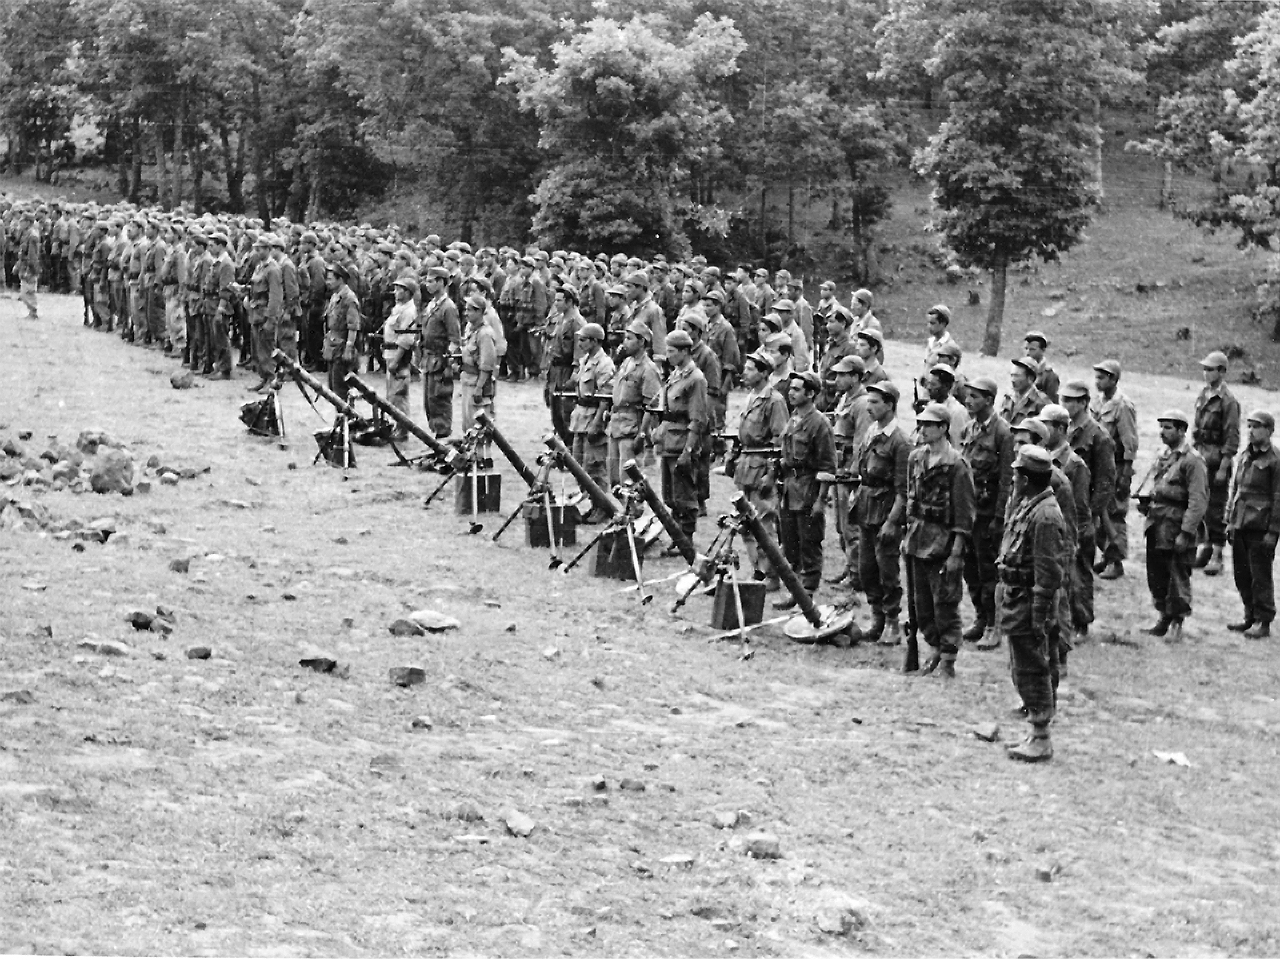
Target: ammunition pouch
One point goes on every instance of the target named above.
(933, 513)
(1017, 577)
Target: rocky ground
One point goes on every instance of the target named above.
(566, 772)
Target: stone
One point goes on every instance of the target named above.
(320, 664)
(65, 470)
(182, 380)
(192, 469)
(21, 697)
(509, 628)
(90, 441)
(199, 653)
(13, 448)
(113, 473)
(142, 486)
(725, 819)
(181, 565)
(434, 621)
(10, 469)
(599, 783)
(407, 676)
(406, 628)
(161, 625)
(519, 825)
(168, 479)
(990, 732)
(466, 811)
(153, 461)
(139, 619)
(1045, 874)
(629, 783)
(551, 653)
(108, 648)
(421, 723)
(681, 860)
(763, 846)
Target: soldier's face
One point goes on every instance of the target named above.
(402, 293)
(1104, 381)
(835, 327)
(1019, 379)
(1212, 375)
(878, 406)
(1171, 433)
(1034, 349)
(934, 386)
(978, 402)
(1259, 435)
(844, 382)
(631, 344)
(561, 302)
(935, 325)
(864, 348)
(1074, 405)
(931, 431)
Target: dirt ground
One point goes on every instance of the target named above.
(242, 805)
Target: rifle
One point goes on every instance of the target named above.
(918, 403)
(911, 663)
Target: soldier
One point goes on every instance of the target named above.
(808, 452)
(650, 314)
(803, 311)
(938, 322)
(219, 292)
(199, 334)
(1031, 571)
(987, 446)
(937, 386)
(694, 323)
(311, 300)
(562, 349)
(530, 310)
(399, 337)
(287, 332)
(752, 467)
(266, 307)
(441, 339)
(152, 294)
(676, 437)
(722, 341)
(593, 382)
(868, 344)
(478, 355)
(940, 514)
(1034, 345)
(863, 318)
(850, 423)
(637, 386)
(617, 317)
(171, 282)
(1024, 400)
(1216, 438)
(879, 510)
(838, 346)
(1118, 418)
(28, 264)
(342, 327)
(802, 356)
(1057, 422)
(1253, 516)
(1094, 447)
(1174, 507)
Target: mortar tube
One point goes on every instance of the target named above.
(597, 494)
(780, 565)
(301, 375)
(398, 417)
(678, 537)
(528, 476)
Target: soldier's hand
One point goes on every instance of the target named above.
(684, 460)
(818, 509)
(1223, 473)
(1269, 540)
(595, 436)
(477, 398)
(954, 564)
(1185, 541)
(349, 354)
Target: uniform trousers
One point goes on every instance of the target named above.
(1215, 516)
(1251, 563)
(1169, 578)
(937, 596)
(593, 455)
(1033, 663)
(980, 572)
(437, 395)
(878, 567)
(680, 493)
(802, 534)
(619, 451)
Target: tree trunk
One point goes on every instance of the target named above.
(834, 222)
(234, 169)
(316, 179)
(297, 203)
(197, 178)
(995, 311)
(1166, 185)
(1097, 150)
(162, 169)
(764, 233)
(135, 172)
(179, 151)
(791, 216)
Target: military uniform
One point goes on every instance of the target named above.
(883, 466)
(524, 347)
(940, 507)
(399, 336)
(651, 315)
(685, 413)
(850, 423)
(266, 307)
(1119, 419)
(440, 333)
(1216, 437)
(706, 362)
(836, 351)
(1031, 570)
(988, 449)
(479, 352)
(1253, 517)
(722, 341)
(342, 327)
(763, 421)
(1179, 498)
(1014, 408)
(1092, 444)
(219, 297)
(808, 449)
(28, 267)
(311, 296)
(561, 346)
(592, 379)
(636, 388)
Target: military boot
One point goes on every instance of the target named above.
(1203, 552)
(1160, 627)
(946, 670)
(989, 640)
(893, 634)
(1258, 630)
(1036, 748)
(1175, 631)
(1113, 570)
(873, 633)
(1214, 566)
(1242, 626)
(976, 629)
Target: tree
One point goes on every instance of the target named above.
(1012, 164)
(37, 76)
(625, 113)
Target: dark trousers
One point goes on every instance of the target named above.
(437, 400)
(1169, 579)
(313, 335)
(802, 533)
(1214, 526)
(1251, 563)
(937, 596)
(220, 343)
(338, 370)
(1033, 665)
(680, 493)
(980, 568)
(1082, 585)
(878, 567)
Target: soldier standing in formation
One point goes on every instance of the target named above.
(342, 328)
(808, 451)
(478, 358)
(752, 465)
(1031, 570)
(940, 515)
(1253, 516)
(987, 445)
(637, 386)
(1216, 437)
(441, 339)
(593, 385)
(562, 349)
(1178, 498)
(1118, 417)
(850, 423)
(683, 417)
(879, 510)
(266, 308)
(399, 336)
(1024, 400)
(1034, 345)
(1092, 444)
